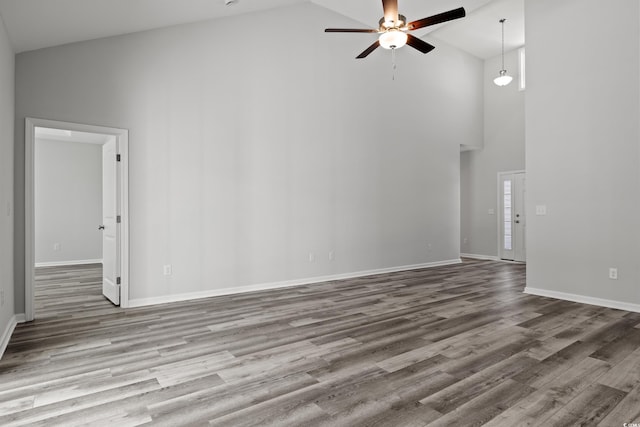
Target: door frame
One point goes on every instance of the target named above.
(122, 136)
(499, 210)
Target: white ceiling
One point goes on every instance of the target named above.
(480, 32)
(36, 24)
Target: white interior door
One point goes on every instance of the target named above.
(110, 224)
(512, 217)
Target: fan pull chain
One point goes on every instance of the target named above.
(393, 63)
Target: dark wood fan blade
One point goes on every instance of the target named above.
(437, 19)
(369, 50)
(349, 30)
(390, 8)
(421, 45)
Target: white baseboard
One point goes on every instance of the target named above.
(141, 302)
(583, 299)
(482, 257)
(6, 335)
(63, 263)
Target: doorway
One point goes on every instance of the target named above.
(112, 219)
(511, 220)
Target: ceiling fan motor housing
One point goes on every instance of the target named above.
(384, 25)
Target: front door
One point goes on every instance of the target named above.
(110, 224)
(512, 217)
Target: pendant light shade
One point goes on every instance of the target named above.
(503, 79)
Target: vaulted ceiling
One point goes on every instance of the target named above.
(36, 24)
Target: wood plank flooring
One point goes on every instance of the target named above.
(447, 346)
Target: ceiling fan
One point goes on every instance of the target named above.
(393, 29)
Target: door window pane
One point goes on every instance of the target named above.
(507, 225)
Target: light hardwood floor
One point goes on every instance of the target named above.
(457, 345)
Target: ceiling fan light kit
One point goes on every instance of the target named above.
(394, 30)
(393, 39)
(503, 79)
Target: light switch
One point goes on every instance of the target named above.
(541, 209)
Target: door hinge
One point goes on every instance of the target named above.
(118, 219)
(118, 280)
(118, 157)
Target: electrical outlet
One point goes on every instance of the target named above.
(331, 255)
(613, 273)
(312, 257)
(56, 246)
(167, 270)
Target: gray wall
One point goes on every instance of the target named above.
(583, 147)
(504, 150)
(249, 152)
(68, 201)
(6, 178)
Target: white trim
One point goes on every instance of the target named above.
(6, 335)
(277, 285)
(122, 136)
(63, 263)
(123, 150)
(583, 299)
(29, 217)
(482, 257)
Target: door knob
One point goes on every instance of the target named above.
(101, 227)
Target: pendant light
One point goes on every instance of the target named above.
(503, 79)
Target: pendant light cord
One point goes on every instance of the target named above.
(502, 22)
